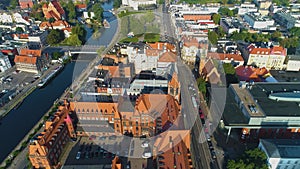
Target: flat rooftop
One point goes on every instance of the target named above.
(281, 148)
(261, 91)
(248, 100)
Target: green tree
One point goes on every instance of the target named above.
(117, 3)
(98, 11)
(71, 10)
(73, 40)
(220, 31)
(237, 36)
(295, 31)
(56, 55)
(216, 18)
(14, 4)
(55, 37)
(80, 32)
(51, 20)
(224, 11)
(275, 36)
(19, 30)
(228, 68)
(213, 37)
(201, 85)
(251, 159)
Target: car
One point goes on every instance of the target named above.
(78, 155)
(145, 144)
(147, 155)
(113, 137)
(208, 137)
(92, 137)
(213, 154)
(102, 137)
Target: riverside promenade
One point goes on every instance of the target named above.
(21, 160)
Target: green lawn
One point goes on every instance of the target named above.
(133, 39)
(151, 37)
(126, 13)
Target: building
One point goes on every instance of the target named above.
(5, 18)
(30, 60)
(60, 24)
(166, 64)
(271, 58)
(209, 72)
(281, 153)
(285, 20)
(148, 115)
(172, 150)
(263, 110)
(147, 82)
(38, 37)
(258, 22)
(250, 73)
(234, 59)
(293, 63)
(53, 10)
(230, 25)
(136, 3)
(192, 48)
(24, 4)
(18, 18)
(196, 17)
(246, 8)
(46, 147)
(4, 62)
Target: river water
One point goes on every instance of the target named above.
(19, 122)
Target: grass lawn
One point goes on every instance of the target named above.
(151, 37)
(133, 39)
(126, 13)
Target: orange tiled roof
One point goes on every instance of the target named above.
(260, 51)
(25, 59)
(31, 52)
(278, 50)
(196, 17)
(168, 57)
(160, 45)
(80, 6)
(152, 52)
(174, 81)
(113, 70)
(93, 106)
(163, 143)
(224, 56)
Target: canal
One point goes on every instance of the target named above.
(19, 122)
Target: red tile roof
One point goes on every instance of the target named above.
(225, 56)
(168, 57)
(28, 52)
(58, 7)
(196, 17)
(247, 73)
(25, 59)
(81, 6)
(260, 51)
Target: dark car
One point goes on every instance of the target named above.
(113, 137)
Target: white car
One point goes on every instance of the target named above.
(78, 155)
(145, 144)
(147, 155)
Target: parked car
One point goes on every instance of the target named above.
(113, 137)
(78, 155)
(147, 155)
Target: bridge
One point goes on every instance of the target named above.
(85, 49)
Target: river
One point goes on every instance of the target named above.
(19, 122)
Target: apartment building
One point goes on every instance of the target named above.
(30, 60)
(4, 62)
(258, 22)
(46, 147)
(270, 58)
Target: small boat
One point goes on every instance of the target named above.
(106, 24)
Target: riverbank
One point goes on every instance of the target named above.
(21, 159)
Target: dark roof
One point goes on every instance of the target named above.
(261, 91)
(148, 75)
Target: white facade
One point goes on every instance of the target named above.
(5, 18)
(137, 86)
(258, 22)
(144, 62)
(266, 60)
(136, 3)
(4, 62)
(246, 8)
(19, 19)
(293, 63)
(39, 37)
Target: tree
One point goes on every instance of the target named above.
(224, 11)
(228, 68)
(73, 40)
(14, 3)
(117, 3)
(220, 31)
(51, 20)
(80, 32)
(213, 37)
(216, 18)
(19, 30)
(71, 10)
(56, 55)
(237, 36)
(55, 36)
(98, 11)
(251, 159)
(275, 36)
(295, 31)
(201, 85)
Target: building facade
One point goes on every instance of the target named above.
(4, 62)
(46, 147)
